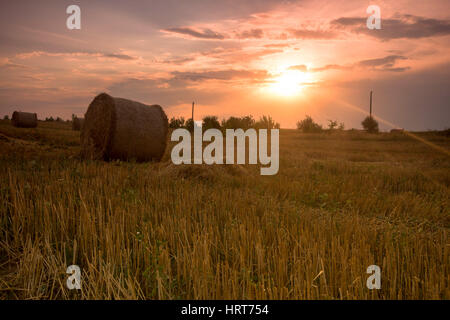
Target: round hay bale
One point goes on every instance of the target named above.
(24, 119)
(77, 124)
(116, 128)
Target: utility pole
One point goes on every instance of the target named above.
(192, 112)
(371, 103)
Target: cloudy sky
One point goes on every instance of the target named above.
(287, 59)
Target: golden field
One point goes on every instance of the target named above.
(340, 203)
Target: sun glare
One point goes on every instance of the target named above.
(289, 83)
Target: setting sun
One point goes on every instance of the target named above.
(289, 83)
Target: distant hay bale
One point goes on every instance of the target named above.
(24, 119)
(77, 124)
(116, 128)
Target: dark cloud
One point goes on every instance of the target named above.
(379, 64)
(179, 60)
(118, 56)
(331, 67)
(222, 75)
(346, 21)
(387, 61)
(214, 35)
(204, 34)
(396, 69)
(403, 26)
(251, 34)
(384, 64)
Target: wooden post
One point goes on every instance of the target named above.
(371, 103)
(192, 112)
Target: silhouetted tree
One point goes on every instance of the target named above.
(211, 122)
(370, 125)
(247, 122)
(266, 122)
(308, 125)
(332, 124)
(232, 123)
(189, 124)
(176, 123)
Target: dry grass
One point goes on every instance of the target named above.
(339, 204)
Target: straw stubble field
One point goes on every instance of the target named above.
(340, 203)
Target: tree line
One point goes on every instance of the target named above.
(212, 122)
(307, 125)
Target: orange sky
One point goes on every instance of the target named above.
(283, 58)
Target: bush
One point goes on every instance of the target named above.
(176, 123)
(266, 122)
(333, 126)
(308, 125)
(211, 122)
(247, 122)
(189, 124)
(232, 123)
(370, 125)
